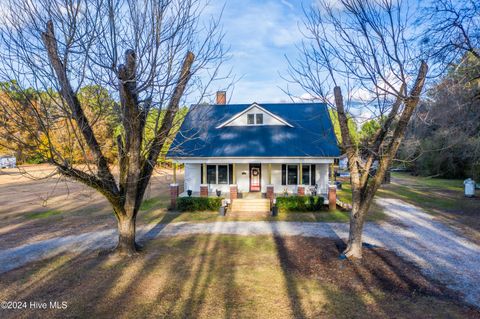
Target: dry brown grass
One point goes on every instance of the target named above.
(218, 276)
(27, 203)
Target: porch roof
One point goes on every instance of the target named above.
(260, 160)
(311, 136)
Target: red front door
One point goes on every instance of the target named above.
(255, 177)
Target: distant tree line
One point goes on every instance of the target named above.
(443, 138)
(100, 109)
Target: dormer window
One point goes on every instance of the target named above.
(255, 119)
(254, 115)
(259, 118)
(251, 119)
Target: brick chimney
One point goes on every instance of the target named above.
(221, 97)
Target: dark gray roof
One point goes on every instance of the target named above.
(312, 133)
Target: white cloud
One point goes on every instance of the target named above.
(288, 4)
(287, 36)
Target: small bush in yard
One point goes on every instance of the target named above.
(195, 204)
(300, 203)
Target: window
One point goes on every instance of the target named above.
(218, 174)
(290, 174)
(306, 175)
(292, 177)
(211, 174)
(222, 174)
(259, 118)
(255, 119)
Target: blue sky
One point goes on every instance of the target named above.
(260, 33)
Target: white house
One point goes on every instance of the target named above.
(262, 148)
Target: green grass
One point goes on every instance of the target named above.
(430, 182)
(345, 193)
(154, 202)
(45, 214)
(339, 216)
(423, 198)
(431, 194)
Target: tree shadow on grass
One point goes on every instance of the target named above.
(292, 288)
(212, 276)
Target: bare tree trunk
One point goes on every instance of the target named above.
(126, 235)
(357, 221)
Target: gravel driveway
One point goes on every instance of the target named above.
(436, 248)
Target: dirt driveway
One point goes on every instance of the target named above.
(28, 195)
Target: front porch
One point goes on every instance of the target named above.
(257, 178)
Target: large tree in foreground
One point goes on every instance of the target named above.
(148, 54)
(366, 48)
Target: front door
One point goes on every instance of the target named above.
(255, 177)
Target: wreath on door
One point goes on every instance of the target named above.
(255, 172)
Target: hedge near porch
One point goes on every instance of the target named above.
(195, 204)
(300, 203)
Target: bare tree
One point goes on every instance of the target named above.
(452, 29)
(368, 48)
(57, 47)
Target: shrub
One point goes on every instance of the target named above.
(300, 203)
(194, 204)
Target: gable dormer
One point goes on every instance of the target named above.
(254, 115)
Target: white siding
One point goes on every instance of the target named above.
(192, 177)
(243, 181)
(322, 178)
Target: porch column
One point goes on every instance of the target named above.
(174, 173)
(332, 173)
(204, 186)
(300, 187)
(270, 187)
(204, 175)
(269, 174)
(234, 187)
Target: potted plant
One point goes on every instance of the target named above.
(189, 193)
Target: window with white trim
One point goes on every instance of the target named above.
(222, 174)
(292, 174)
(250, 119)
(259, 118)
(211, 174)
(306, 174)
(218, 174)
(255, 119)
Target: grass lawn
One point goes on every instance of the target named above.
(442, 197)
(219, 276)
(154, 210)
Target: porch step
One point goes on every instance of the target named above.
(250, 205)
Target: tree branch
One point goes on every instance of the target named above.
(72, 101)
